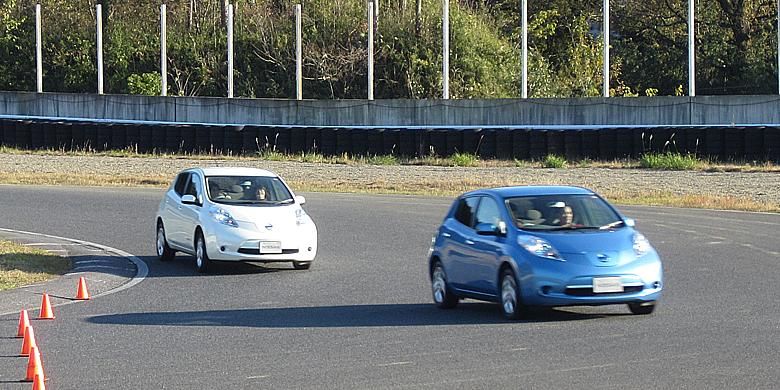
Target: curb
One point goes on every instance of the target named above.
(107, 270)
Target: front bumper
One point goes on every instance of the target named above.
(237, 244)
(560, 284)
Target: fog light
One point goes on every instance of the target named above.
(222, 249)
(657, 285)
(546, 290)
(309, 249)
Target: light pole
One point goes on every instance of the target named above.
(99, 18)
(524, 77)
(38, 47)
(606, 48)
(445, 32)
(691, 51)
(163, 51)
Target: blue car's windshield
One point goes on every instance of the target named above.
(562, 212)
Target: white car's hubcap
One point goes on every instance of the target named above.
(160, 241)
(199, 254)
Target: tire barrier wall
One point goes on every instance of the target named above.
(755, 143)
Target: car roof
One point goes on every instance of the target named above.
(235, 171)
(509, 192)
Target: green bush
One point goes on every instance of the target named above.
(553, 161)
(669, 161)
(144, 84)
(464, 160)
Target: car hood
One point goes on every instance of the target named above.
(600, 248)
(261, 215)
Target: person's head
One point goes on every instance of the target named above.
(564, 215)
(261, 193)
(567, 216)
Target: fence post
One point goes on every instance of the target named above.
(445, 30)
(230, 50)
(99, 18)
(38, 47)
(163, 50)
(298, 55)
(370, 50)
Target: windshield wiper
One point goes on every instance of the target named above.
(611, 225)
(286, 201)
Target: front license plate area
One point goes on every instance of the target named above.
(607, 285)
(270, 247)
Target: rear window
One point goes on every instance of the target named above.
(247, 190)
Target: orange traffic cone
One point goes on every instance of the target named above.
(29, 341)
(46, 313)
(24, 320)
(34, 366)
(38, 383)
(82, 292)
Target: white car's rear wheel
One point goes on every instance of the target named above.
(201, 256)
(164, 252)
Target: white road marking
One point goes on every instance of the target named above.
(48, 243)
(257, 377)
(394, 364)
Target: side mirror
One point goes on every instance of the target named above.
(630, 222)
(189, 199)
(300, 199)
(488, 229)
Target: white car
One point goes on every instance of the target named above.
(234, 214)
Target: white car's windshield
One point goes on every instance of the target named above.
(562, 212)
(248, 190)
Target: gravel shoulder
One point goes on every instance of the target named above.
(762, 188)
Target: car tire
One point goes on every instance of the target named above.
(443, 296)
(510, 298)
(202, 261)
(301, 264)
(164, 252)
(641, 309)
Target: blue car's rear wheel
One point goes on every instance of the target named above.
(511, 302)
(442, 295)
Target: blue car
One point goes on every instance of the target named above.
(542, 246)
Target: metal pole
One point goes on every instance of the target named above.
(445, 32)
(606, 48)
(370, 50)
(524, 89)
(99, 17)
(778, 46)
(38, 47)
(163, 51)
(691, 51)
(298, 55)
(230, 50)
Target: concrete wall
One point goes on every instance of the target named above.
(641, 111)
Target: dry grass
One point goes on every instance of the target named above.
(22, 266)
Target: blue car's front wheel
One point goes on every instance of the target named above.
(511, 303)
(442, 295)
(641, 308)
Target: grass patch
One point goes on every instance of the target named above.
(670, 161)
(22, 266)
(382, 160)
(464, 160)
(553, 161)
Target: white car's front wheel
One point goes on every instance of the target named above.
(301, 264)
(201, 256)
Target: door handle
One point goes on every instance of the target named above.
(469, 242)
(447, 235)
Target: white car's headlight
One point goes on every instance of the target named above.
(539, 247)
(301, 217)
(222, 216)
(641, 245)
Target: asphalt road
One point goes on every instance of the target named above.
(362, 317)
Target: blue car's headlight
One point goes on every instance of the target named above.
(641, 245)
(539, 247)
(222, 216)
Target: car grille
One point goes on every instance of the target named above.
(588, 291)
(247, 251)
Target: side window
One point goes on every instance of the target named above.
(194, 186)
(465, 211)
(488, 212)
(181, 182)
